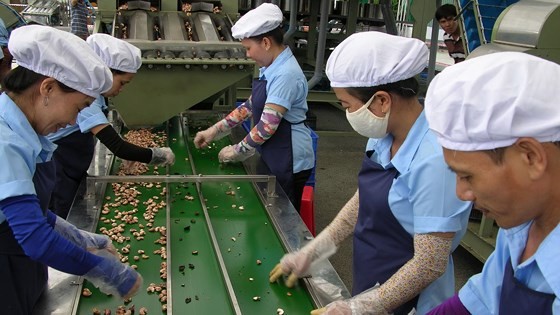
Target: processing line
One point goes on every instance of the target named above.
(204, 236)
(211, 234)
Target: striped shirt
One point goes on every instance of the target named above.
(78, 22)
(454, 47)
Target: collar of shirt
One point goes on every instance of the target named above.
(545, 258)
(277, 63)
(16, 120)
(402, 160)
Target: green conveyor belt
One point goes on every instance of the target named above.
(243, 231)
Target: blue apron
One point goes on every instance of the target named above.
(276, 152)
(381, 245)
(516, 298)
(72, 158)
(24, 280)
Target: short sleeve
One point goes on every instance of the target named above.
(92, 116)
(17, 179)
(433, 196)
(284, 90)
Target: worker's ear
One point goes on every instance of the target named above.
(267, 43)
(47, 86)
(533, 156)
(385, 100)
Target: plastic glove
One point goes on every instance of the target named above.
(231, 154)
(299, 263)
(86, 240)
(365, 303)
(113, 277)
(205, 137)
(162, 156)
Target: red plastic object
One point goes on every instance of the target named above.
(306, 209)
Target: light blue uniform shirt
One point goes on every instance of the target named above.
(286, 86)
(88, 118)
(423, 199)
(541, 272)
(21, 148)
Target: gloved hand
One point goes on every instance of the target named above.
(299, 263)
(365, 303)
(205, 137)
(162, 156)
(86, 240)
(232, 153)
(113, 277)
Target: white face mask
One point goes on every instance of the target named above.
(367, 123)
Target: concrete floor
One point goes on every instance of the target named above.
(339, 155)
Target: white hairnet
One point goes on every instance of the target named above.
(260, 20)
(116, 53)
(373, 58)
(62, 56)
(490, 101)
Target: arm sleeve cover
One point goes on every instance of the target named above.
(122, 148)
(431, 255)
(267, 126)
(39, 240)
(236, 117)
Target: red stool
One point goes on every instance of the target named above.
(306, 209)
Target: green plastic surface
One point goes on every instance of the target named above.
(243, 231)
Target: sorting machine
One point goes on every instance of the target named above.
(188, 56)
(218, 229)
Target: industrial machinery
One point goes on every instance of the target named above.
(189, 56)
(45, 12)
(203, 235)
(526, 26)
(207, 234)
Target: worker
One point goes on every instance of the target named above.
(497, 118)
(42, 94)
(446, 15)
(277, 105)
(76, 143)
(79, 18)
(405, 217)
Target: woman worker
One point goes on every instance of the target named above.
(405, 218)
(277, 104)
(503, 142)
(44, 93)
(76, 144)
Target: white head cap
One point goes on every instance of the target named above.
(490, 101)
(260, 20)
(373, 58)
(116, 53)
(62, 56)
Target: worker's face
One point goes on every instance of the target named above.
(55, 108)
(352, 103)
(259, 51)
(502, 191)
(449, 24)
(119, 81)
